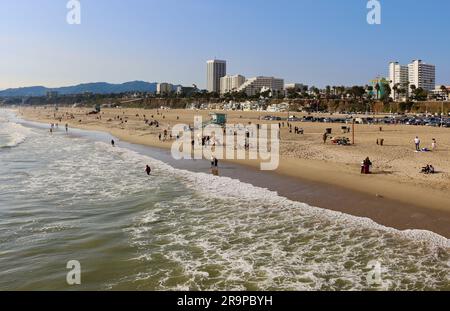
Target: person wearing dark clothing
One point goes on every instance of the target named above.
(113, 143)
(365, 167)
(148, 170)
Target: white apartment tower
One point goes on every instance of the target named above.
(231, 83)
(422, 75)
(216, 69)
(398, 75)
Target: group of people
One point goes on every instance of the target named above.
(429, 169)
(297, 130)
(54, 126)
(164, 136)
(417, 143)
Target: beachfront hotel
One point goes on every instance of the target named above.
(231, 83)
(254, 85)
(422, 75)
(216, 69)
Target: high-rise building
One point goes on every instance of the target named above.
(255, 85)
(216, 69)
(422, 75)
(164, 88)
(398, 76)
(231, 83)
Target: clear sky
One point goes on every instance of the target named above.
(318, 42)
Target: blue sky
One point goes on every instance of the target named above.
(318, 42)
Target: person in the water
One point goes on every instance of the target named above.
(113, 143)
(148, 170)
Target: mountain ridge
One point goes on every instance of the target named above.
(93, 87)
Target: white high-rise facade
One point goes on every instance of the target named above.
(216, 69)
(422, 75)
(231, 83)
(398, 74)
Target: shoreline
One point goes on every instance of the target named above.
(385, 202)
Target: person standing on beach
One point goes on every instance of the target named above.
(417, 143)
(434, 145)
(67, 127)
(113, 143)
(325, 137)
(148, 170)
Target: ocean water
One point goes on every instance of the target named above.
(65, 197)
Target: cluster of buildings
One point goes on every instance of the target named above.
(402, 79)
(219, 82)
(416, 74)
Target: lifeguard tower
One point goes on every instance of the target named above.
(218, 119)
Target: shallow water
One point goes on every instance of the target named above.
(65, 197)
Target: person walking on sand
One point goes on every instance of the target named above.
(148, 170)
(417, 143)
(325, 137)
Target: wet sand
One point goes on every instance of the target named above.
(384, 211)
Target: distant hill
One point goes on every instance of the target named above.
(96, 88)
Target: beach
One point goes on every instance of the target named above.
(396, 177)
(73, 196)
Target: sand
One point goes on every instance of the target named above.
(396, 166)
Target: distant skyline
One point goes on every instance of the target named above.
(316, 42)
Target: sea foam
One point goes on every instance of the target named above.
(229, 188)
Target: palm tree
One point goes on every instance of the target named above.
(377, 88)
(444, 90)
(395, 89)
(413, 90)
